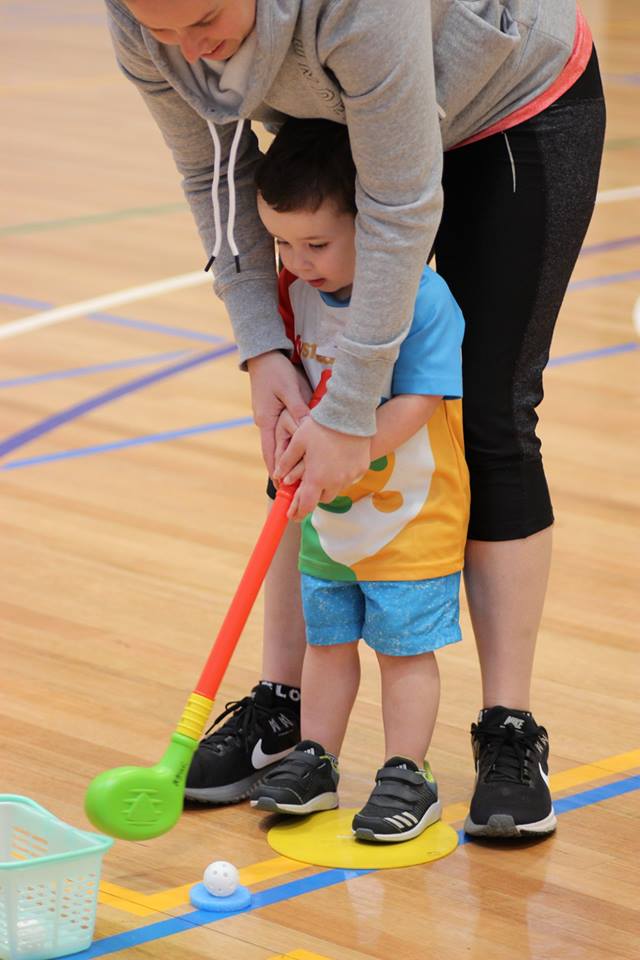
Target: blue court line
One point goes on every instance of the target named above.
(79, 409)
(122, 444)
(604, 281)
(319, 881)
(29, 304)
(96, 368)
(585, 799)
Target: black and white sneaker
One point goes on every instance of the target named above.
(403, 803)
(256, 733)
(305, 782)
(511, 797)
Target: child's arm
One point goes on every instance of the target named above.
(398, 420)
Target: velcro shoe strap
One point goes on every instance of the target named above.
(400, 775)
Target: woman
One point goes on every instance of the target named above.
(477, 128)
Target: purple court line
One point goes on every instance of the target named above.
(97, 368)
(604, 281)
(50, 423)
(630, 78)
(79, 409)
(155, 328)
(608, 245)
(29, 304)
(244, 421)
(593, 354)
(124, 444)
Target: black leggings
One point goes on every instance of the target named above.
(516, 208)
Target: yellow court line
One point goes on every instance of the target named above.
(146, 904)
(299, 955)
(566, 779)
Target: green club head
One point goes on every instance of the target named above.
(139, 803)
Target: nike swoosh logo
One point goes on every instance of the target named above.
(260, 759)
(543, 774)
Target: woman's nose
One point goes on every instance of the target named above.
(190, 45)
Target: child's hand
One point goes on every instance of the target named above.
(326, 461)
(276, 384)
(285, 429)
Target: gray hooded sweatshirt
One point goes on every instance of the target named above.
(410, 79)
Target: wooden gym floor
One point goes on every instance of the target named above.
(132, 490)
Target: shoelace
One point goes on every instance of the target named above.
(243, 716)
(509, 753)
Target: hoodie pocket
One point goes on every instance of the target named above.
(475, 44)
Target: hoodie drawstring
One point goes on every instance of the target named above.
(215, 198)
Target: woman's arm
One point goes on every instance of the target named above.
(396, 422)
(382, 60)
(251, 296)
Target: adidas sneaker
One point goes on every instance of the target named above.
(403, 803)
(305, 782)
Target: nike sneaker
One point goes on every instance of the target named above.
(511, 797)
(305, 782)
(403, 803)
(249, 738)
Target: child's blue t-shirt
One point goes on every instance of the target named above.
(406, 519)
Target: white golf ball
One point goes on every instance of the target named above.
(221, 878)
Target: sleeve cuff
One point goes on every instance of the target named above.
(253, 310)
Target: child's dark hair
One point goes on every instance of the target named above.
(308, 162)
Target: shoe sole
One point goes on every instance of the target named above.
(502, 826)
(229, 792)
(324, 801)
(432, 815)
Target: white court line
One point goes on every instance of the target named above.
(48, 317)
(621, 193)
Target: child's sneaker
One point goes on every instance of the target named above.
(256, 733)
(403, 803)
(304, 782)
(511, 796)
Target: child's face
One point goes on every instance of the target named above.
(317, 247)
(213, 29)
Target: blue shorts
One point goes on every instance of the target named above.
(400, 618)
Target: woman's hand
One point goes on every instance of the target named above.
(276, 385)
(286, 426)
(325, 462)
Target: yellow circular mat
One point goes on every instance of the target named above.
(326, 840)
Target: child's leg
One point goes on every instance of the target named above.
(306, 781)
(283, 644)
(404, 623)
(404, 801)
(330, 681)
(410, 696)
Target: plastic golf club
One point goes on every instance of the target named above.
(138, 803)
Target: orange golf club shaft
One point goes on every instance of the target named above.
(245, 596)
(249, 587)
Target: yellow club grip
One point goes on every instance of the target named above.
(194, 716)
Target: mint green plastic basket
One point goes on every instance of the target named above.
(49, 878)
